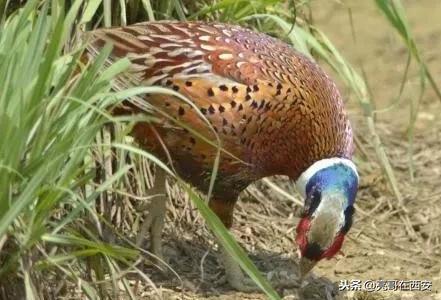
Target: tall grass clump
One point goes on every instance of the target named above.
(49, 116)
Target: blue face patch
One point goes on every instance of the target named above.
(336, 177)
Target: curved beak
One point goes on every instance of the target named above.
(305, 266)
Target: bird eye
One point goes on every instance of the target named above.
(313, 201)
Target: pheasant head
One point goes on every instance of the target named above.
(329, 187)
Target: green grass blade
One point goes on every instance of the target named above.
(230, 244)
(90, 11)
(395, 14)
(107, 4)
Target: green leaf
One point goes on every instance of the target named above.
(230, 244)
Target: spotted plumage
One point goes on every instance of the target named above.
(274, 110)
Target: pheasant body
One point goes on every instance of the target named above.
(272, 107)
(274, 111)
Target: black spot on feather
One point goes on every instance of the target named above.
(223, 88)
(181, 111)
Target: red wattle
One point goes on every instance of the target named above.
(302, 229)
(335, 246)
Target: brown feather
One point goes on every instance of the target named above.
(272, 107)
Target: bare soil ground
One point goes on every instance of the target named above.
(385, 242)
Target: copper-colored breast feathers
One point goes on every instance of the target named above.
(272, 107)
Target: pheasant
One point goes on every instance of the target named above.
(274, 111)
